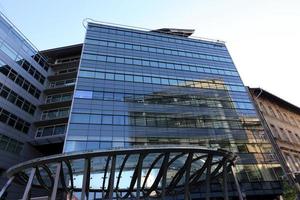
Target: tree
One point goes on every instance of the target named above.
(289, 191)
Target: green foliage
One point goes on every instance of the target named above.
(289, 192)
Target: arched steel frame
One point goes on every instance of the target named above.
(173, 170)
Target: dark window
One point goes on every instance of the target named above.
(48, 131)
(4, 92)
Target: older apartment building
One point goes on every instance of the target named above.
(283, 119)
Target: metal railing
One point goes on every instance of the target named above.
(62, 83)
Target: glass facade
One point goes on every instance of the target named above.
(23, 73)
(141, 88)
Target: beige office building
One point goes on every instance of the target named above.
(283, 119)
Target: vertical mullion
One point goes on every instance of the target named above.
(187, 177)
(6, 186)
(139, 176)
(112, 177)
(29, 183)
(56, 180)
(237, 185)
(85, 185)
(207, 181)
(225, 186)
(164, 178)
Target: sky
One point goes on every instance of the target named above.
(263, 36)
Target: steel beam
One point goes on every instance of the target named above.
(56, 180)
(207, 180)
(29, 183)
(187, 176)
(120, 175)
(150, 169)
(104, 176)
(159, 175)
(85, 180)
(164, 178)
(133, 180)
(112, 177)
(237, 185)
(194, 178)
(6, 186)
(40, 180)
(225, 186)
(139, 176)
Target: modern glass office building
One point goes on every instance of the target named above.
(161, 87)
(135, 89)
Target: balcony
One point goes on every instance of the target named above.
(54, 114)
(53, 134)
(57, 100)
(51, 130)
(62, 83)
(62, 86)
(63, 74)
(52, 117)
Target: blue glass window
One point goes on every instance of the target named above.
(120, 60)
(107, 119)
(95, 119)
(99, 75)
(128, 78)
(109, 76)
(128, 46)
(156, 80)
(103, 43)
(138, 79)
(101, 58)
(105, 145)
(111, 59)
(147, 79)
(80, 118)
(108, 96)
(128, 61)
(83, 94)
(87, 74)
(119, 77)
(137, 62)
(165, 81)
(92, 145)
(118, 120)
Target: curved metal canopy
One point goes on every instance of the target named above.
(141, 173)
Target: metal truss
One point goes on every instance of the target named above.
(140, 173)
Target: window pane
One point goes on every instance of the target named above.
(128, 78)
(59, 130)
(119, 77)
(83, 94)
(106, 119)
(99, 75)
(119, 120)
(138, 79)
(105, 145)
(156, 80)
(48, 131)
(87, 74)
(80, 118)
(109, 76)
(92, 145)
(95, 119)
